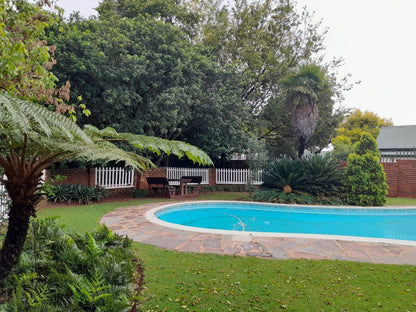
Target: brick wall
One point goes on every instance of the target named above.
(400, 177)
(74, 176)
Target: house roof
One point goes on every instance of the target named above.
(397, 137)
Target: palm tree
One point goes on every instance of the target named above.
(33, 138)
(301, 88)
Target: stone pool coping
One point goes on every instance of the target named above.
(132, 221)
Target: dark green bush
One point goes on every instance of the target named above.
(74, 193)
(68, 272)
(323, 174)
(139, 193)
(316, 175)
(273, 196)
(222, 188)
(285, 172)
(365, 179)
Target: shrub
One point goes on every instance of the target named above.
(365, 179)
(323, 175)
(68, 272)
(273, 196)
(285, 172)
(222, 188)
(73, 192)
(139, 193)
(316, 175)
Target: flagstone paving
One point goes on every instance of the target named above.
(131, 221)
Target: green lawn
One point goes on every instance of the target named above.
(202, 282)
(401, 201)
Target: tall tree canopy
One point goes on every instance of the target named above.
(304, 114)
(263, 38)
(143, 76)
(266, 40)
(196, 70)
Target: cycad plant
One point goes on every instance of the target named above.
(315, 174)
(33, 138)
(323, 175)
(285, 174)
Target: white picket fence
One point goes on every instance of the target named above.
(238, 176)
(114, 177)
(175, 173)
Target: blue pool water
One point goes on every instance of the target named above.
(252, 217)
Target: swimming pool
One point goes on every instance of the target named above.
(286, 220)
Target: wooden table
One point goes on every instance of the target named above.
(184, 186)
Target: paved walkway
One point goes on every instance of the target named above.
(131, 221)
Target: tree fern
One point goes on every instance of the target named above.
(33, 138)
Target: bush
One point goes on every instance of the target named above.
(285, 174)
(273, 196)
(73, 192)
(365, 180)
(323, 175)
(222, 188)
(63, 272)
(139, 193)
(316, 175)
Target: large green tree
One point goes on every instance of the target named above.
(143, 76)
(266, 40)
(304, 114)
(25, 58)
(353, 127)
(263, 38)
(33, 138)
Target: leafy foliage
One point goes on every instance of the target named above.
(316, 175)
(34, 138)
(142, 75)
(365, 179)
(61, 193)
(353, 128)
(67, 272)
(303, 88)
(323, 174)
(273, 196)
(285, 172)
(26, 59)
(263, 38)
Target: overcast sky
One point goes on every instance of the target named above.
(375, 38)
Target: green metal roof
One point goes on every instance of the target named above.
(397, 137)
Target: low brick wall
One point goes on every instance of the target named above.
(401, 178)
(74, 176)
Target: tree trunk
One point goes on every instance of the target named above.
(19, 217)
(301, 148)
(22, 186)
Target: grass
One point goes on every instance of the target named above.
(401, 201)
(85, 218)
(203, 282)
